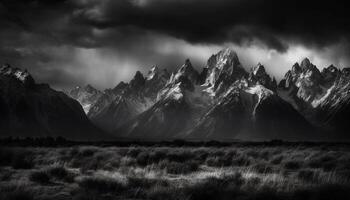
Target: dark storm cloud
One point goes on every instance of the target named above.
(206, 21)
(273, 22)
(59, 39)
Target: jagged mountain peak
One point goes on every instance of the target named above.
(87, 88)
(188, 62)
(138, 76)
(228, 53)
(138, 80)
(307, 70)
(332, 68)
(19, 74)
(87, 96)
(223, 59)
(152, 72)
(296, 69)
(185, 73)
(154, 68)
(258, 70)
(223, 69)
(121, 85)
(90, 87)
(187, 67)
(305, 63)
(258, 75)
(155, 73)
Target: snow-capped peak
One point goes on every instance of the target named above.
(186, 71)
(224, 59)
(296, 69)
(138, 80)
(152, 72)
(186, 68)
(332, 68)
(305, 63)
(259, 70)
(86, 96)
(223, 69)
(155, 73)
(19, 74)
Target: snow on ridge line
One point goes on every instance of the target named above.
(259, 90)
(175, 92)
(315, 103)
(21, 75)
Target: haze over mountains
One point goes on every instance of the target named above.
(223, 101)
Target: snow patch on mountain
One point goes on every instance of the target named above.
(19, 74)
(87, 96)
(174, 92)
(260, 91)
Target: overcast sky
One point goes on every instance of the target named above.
(101, 42)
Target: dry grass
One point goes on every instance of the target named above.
(238, 172)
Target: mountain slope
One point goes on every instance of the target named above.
(29, 109)
(321, 97)
(333, 109)
(87, 96)
(126, 101)
(172, 112)
(251, 113)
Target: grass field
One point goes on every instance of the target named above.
(139, 172)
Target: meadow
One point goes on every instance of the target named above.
(237, 171)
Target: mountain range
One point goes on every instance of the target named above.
(221, 102)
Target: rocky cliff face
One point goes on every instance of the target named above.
(258, 75)
(87, 96)
(223, 69)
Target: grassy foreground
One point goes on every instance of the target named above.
(140, 172)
